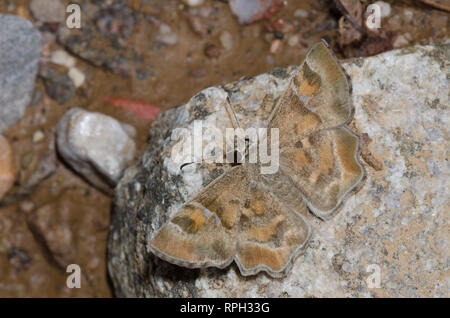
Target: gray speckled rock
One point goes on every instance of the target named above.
(97, 146)
(397, 221)
(20, 49)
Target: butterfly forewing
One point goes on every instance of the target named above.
(317, 97)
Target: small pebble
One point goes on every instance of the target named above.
(197, 25)
(293, 40)
(299, 13)
(166, 35)
(275, 46)
(218, 283)
(95, 145)
(408, 14)
(278, 35)
(76, 76)
(193, 3)
(38, 136)
(59, 86)
(249, 11)
(226, 39)
(61, 57)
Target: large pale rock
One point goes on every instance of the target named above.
(96, 146)
(397, 223)
(20, 48)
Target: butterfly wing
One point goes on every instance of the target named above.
(324, 167)
(317, 152)
(203, 233)
(234, 218)
(247, 217)
(271, 234)
(317, 97)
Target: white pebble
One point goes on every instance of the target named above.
(227, 40)
(166, 36)
(38, 136)
(61, 57)
(293, 40)
(95, 145)
(299, 13)
(275, 46)
(193, 3)
(77, 76)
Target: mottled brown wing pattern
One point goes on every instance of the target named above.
(258, 220)
(204, 231)
(271, 234)
(317, 151)
(317, 97)
(234, 218)
(324, 168)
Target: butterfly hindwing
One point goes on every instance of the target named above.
(204, 231)
(271, 234)
(324, 167)
(234, 218)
